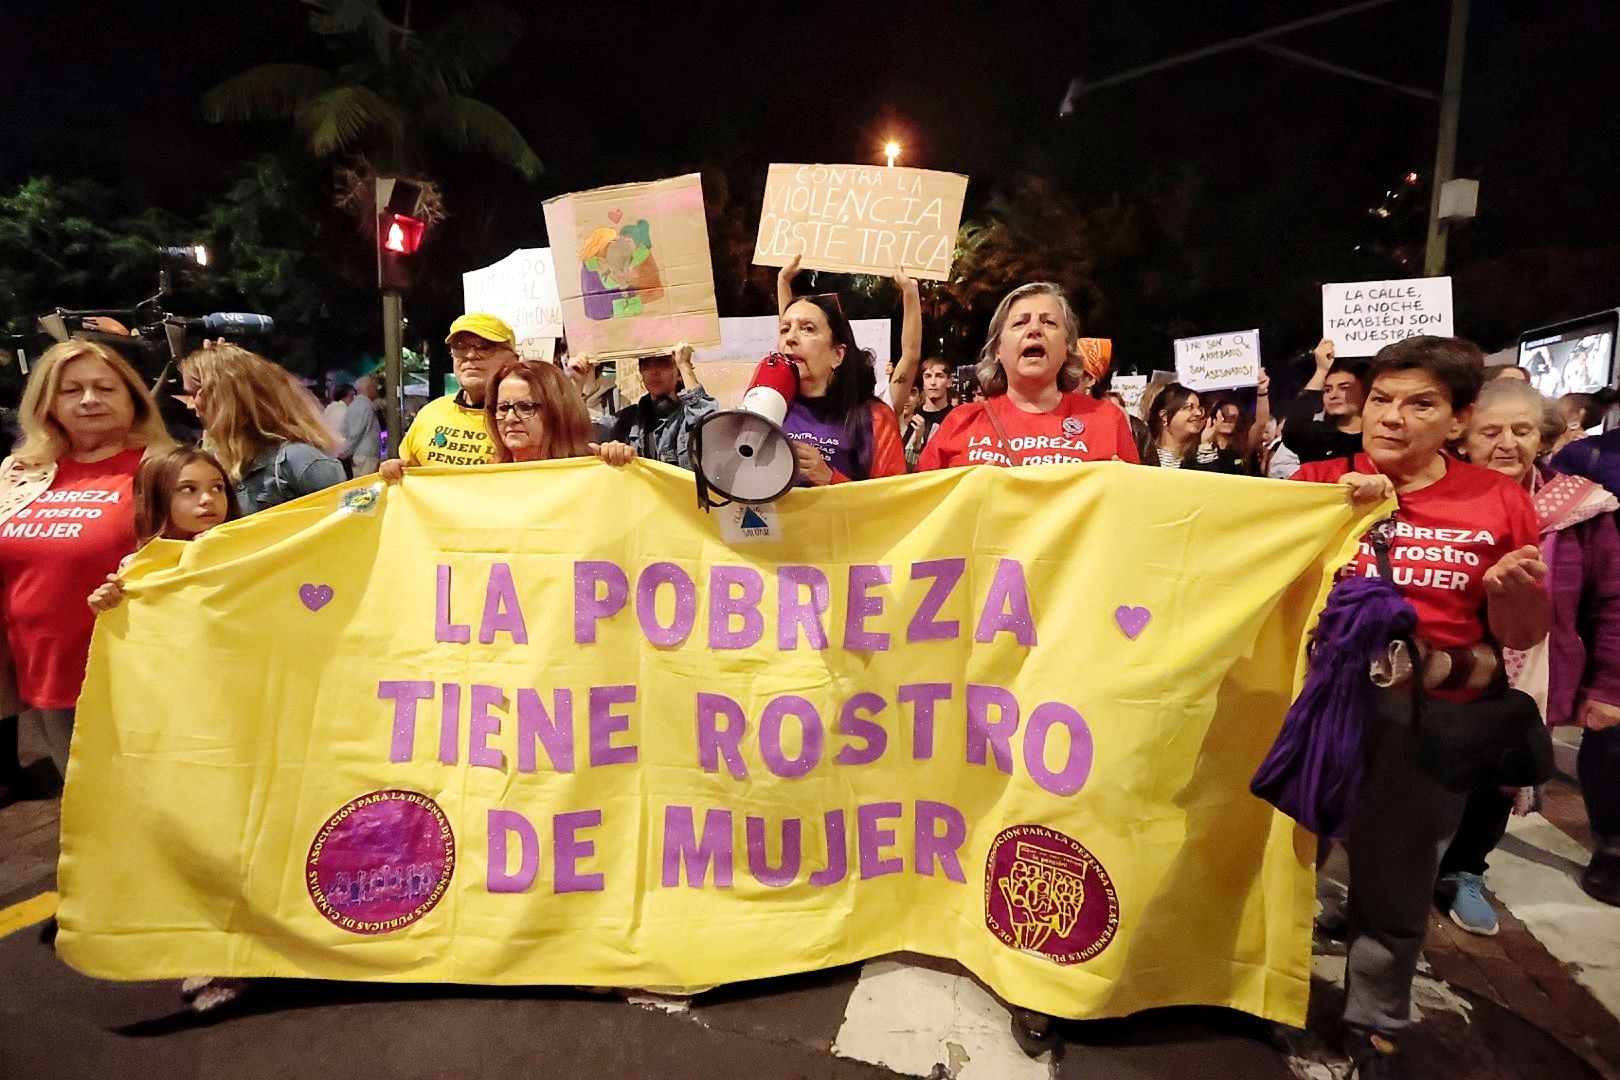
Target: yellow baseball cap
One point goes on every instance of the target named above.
(488, 327)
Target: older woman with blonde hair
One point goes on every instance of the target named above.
(67, 516)
(1035, 410)
(264, 427)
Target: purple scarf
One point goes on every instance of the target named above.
(1314, 768)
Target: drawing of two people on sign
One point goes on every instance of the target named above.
(618, 274)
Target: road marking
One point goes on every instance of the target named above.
(912, 1019)
(1535, 872)
(26, 914)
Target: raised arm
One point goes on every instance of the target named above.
(784, 285)
(911, 338)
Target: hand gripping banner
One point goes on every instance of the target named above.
(553, 724)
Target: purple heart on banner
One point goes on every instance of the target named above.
(1132, 620)
(315, 597)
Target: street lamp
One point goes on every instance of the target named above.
(891, 150)
(197, 253)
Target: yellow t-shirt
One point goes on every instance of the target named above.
(445, 433)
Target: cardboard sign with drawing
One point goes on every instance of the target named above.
(633, 268)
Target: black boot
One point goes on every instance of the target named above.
(1034, 1032)
(1602, 878)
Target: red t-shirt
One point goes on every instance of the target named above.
(1447, 536)
(1078, 428)
(54, 552)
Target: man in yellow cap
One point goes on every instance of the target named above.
(451, 430)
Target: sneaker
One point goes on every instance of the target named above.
(1468, 908)
(1373, 1056)
(1601, 881)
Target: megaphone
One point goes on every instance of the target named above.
(743, 454)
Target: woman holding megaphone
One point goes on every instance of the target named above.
(840, 431)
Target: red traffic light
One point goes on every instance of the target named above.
(401, 234)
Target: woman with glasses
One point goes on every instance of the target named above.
(538, 415)
(1176, 427)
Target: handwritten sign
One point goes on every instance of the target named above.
(522, 289)
(1362, 317)
(858, 219)
(1219, 361)
(1130, 388)
(726, 368)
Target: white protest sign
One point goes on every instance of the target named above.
(1130, 388)
(726, 368)
(1219, 361)
(1361, 317)
(861, 219)
(522, 289)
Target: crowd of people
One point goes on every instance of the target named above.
(1504, 544)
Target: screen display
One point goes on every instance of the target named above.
(1571, 358)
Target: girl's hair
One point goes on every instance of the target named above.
(1170, 401)
(155, 481)
(249, 404)
(565, 424)
(991, 375)
(1239, 441)
(44, 441)
(848, 401)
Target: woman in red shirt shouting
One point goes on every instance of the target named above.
(1034, 412)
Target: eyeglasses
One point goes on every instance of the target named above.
(524, 409)
(477, 348)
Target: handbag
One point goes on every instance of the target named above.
(1499, 740)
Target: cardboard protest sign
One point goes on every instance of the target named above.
(1219, 361)
(860, 219)
(1361, 317)
(726, 368)
(552, 723)
(1130, 388)
(633, 268)
(522, 289)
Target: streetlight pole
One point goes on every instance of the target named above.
(1445, 155)
(393, 374)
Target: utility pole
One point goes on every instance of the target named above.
(1445, 155)
(393, 369)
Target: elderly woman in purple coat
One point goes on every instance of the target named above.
(1575, 673)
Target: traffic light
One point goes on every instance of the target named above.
(399, 232)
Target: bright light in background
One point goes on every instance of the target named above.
(891, 150)
(199, 254)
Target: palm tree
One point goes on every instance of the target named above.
(394, 88)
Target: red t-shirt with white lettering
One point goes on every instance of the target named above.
(1447, 536)
(1078, 428)
(54, 552)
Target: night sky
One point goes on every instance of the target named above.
(619, 91)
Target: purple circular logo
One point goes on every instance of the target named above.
(1045, 894)
(381, 862)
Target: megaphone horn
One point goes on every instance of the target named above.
(743, 454)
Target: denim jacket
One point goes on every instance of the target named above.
(286, 472)
(669, 440)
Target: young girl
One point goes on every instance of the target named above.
(178, 496)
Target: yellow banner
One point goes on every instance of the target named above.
(553, 724)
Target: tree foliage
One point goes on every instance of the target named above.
(394, 90)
